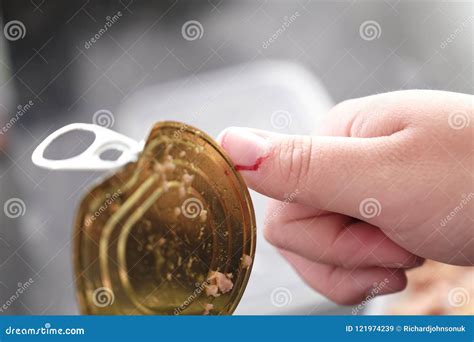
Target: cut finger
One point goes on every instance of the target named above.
(331, 173)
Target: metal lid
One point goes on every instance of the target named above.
(172, 233)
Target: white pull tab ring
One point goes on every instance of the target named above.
(105, 139)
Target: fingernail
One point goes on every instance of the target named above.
(246, 149)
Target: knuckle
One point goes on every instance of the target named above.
(273, 223)
(338, 294)
(295, 157)
(343, 106)
(277, 234)
(348, 107)
(358, 114)
(270, 232)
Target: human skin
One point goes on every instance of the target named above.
(385, 182)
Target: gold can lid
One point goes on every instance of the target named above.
(173, 233)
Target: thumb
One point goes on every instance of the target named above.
(330, 173)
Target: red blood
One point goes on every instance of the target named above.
(253, 167)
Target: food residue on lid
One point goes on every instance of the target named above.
(168, 165)
(212, 290)
(223, 283)
(187, 179)
(246, 261)
(158, 167)
(207, 308)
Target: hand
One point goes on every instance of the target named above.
(386, 182)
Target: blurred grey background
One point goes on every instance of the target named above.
(250, 59)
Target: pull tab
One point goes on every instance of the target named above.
(105, 139)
